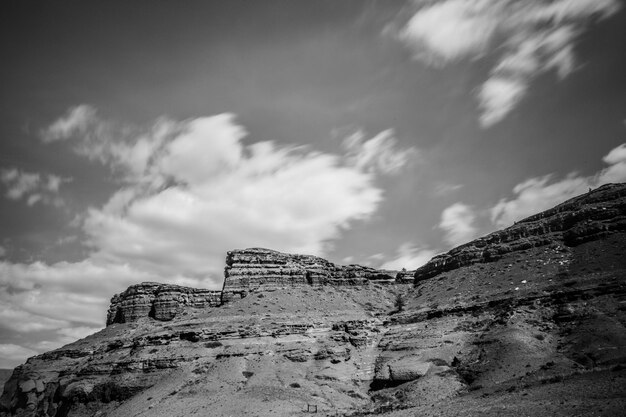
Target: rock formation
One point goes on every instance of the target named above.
(530, 320)
(258, 269)
(583, 218)
(159, 301)
(247, 270)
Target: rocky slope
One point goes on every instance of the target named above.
(587, 217)
(530, 320)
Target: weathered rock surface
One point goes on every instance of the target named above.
(246, 270)
(258, 269)
(537, 330)
(158, 301)
(587, 217)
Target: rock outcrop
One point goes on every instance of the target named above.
(534, 331)
(246, 271)
(587, 217)
(158, 301)
(258, 269)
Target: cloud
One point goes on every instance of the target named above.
(409, 256)
(526, 38)
(11, 355)
(58, 303)
(378, 154)
(450, 30)
(188, 191)
(540, 193)
(78, 120)
(34, 187)
(193, 191)
(498, 96)
(63, 292)
(458, 223)
(444, 189)
(223, 195)
(22, 321)
(19, 183)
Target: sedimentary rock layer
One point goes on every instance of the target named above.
(542, 329)
(247, 270)
(587, 217)
(263, 269)
(159, 301)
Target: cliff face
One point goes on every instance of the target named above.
(158, 301)
(584, 218)
(246, 271)
(263, 269)
(527, 321)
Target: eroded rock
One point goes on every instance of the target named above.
(259, 269)
(159, 301)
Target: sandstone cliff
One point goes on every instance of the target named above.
(158, 301)
(246, 271)
(262, 269)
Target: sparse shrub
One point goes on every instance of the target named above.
(212, 345)
(399, 302)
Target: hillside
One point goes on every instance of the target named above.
(529, 320)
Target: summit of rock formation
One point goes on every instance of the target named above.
(529, 320)
(258, 269)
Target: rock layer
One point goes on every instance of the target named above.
(258, 269)
(587, 217)
(247, 270)
(159, 301)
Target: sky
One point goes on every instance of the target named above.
(140, 141)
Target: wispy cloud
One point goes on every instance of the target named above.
(458, 223)
(378, 154)
(77, 121)
(526, 38)
(409, 256)
(33, 187)
(443, 188)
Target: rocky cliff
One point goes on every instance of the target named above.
(158, 301)
(537, 327)
(258, 269)
(247, 270)
(587, 217)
